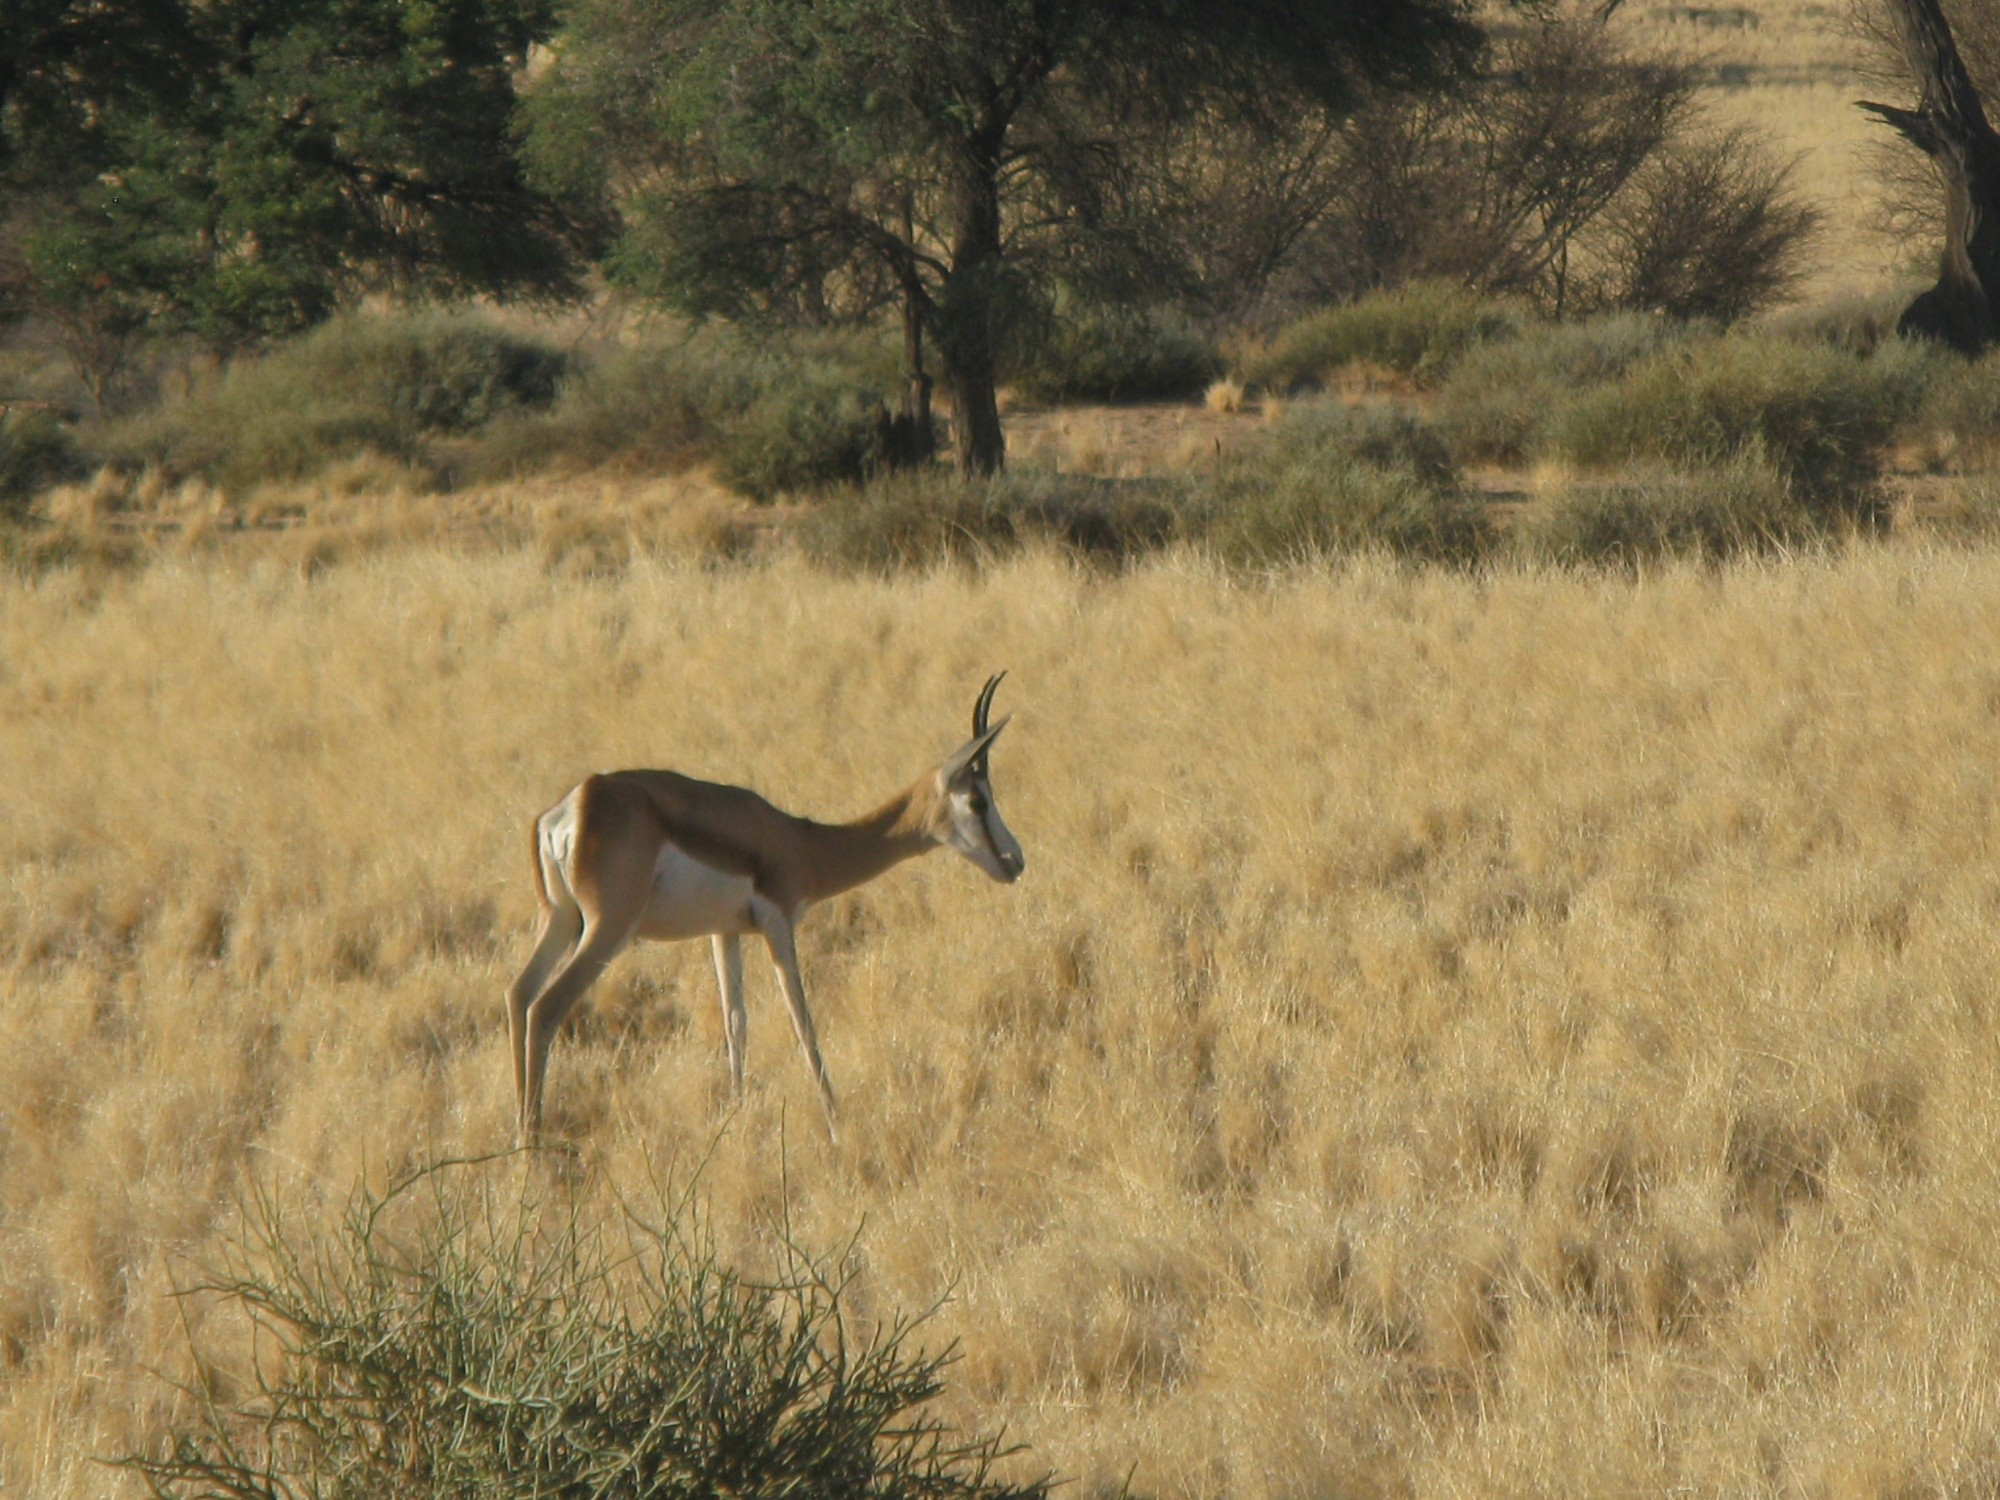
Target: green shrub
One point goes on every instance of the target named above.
(1741, 505)
(36, 450)
(1334, 480)
(920, 520)
(1419, 331)
(444, 1343)
(805, 429)
(1820, 414)
(433, 371)
(1091, 351)
(1497, 401)
(655, 406)
(773, 420)
(355, 386)
(1337, 480)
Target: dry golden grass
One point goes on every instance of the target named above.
(1527, 1034)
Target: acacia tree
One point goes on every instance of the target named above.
(817, 161)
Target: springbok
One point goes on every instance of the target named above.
(661, 856)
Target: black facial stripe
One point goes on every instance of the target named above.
(986, 826)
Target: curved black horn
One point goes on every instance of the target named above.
(985, 704)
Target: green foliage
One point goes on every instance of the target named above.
(1418, 331)
(1500, 394)
(817, 163)
(355, 386)
(36, 450)
(1742, 504)
(773, 421)
(1087, 350)
(802, 433)
(1821, 414)
(442, 1343)
(435, 372)
(69, 68)
(244, 167)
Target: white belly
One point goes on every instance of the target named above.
(691, 899)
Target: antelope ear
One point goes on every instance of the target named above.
(972, 754)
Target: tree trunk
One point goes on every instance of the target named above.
(1949, 126)
(920, 440)
(968, 315)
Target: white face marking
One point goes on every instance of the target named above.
(977, 832)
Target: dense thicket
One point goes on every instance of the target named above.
(1080, 200)
(240, 169)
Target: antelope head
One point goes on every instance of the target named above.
(972, 823)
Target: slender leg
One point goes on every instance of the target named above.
(777, 930)
(561, 925)
(600, 943)
(735, 1024)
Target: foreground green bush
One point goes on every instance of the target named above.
(804, 428)
(443, 1342)
(650, 406)
(450, 395)
(1418, 332)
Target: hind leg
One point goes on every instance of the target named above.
(600, 943)
(562, 925)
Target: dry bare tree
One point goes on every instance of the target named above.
(1949, 126)
(1574, 172)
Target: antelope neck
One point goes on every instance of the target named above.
(846, 855)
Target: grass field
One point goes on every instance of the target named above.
(1526, 1033)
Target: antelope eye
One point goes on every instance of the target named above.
(977, 802)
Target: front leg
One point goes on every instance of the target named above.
(776, 927)
(735, 1024)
